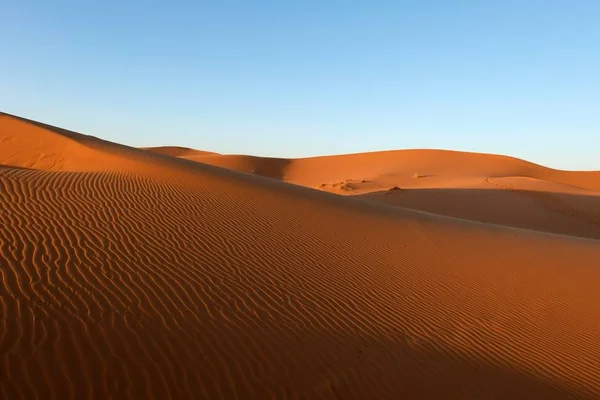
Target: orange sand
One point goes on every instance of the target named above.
(132, 274)
(480, 187)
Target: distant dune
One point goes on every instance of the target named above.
(480, 187)
(177, 151)
(129, 273)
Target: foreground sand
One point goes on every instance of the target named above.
(131, 274)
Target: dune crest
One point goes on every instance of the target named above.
(132, 274)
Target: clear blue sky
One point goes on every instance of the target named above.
(311, 77)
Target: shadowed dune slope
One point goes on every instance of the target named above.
(562, 213)
(177, 151)
(274, 168)
(140, 275)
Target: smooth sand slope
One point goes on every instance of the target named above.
(480, 187)
(131, 274)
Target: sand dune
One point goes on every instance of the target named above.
(133, 274)
(177, 151)
(400, 166)
(480, 187)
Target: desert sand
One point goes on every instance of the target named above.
(129, 273)
(480, 187)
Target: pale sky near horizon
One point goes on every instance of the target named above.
(304, 78)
